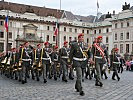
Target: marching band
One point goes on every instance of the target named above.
(25, 62)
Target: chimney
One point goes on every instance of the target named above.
(113, 12)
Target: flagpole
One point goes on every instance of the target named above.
(60, 5)
(7, 29)
(97, 7)
(59, 28)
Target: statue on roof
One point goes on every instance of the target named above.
(126, 6)
(108, 15)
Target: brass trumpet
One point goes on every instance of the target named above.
(39, 66)
(85, 53)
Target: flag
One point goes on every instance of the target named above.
(6, 23)
(56, 29)
(97, 4)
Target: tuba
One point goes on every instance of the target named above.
(20, 60)
(4, 61)
(39, 66)
(8, 62)
(19, 65)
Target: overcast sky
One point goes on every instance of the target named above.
(79, 7)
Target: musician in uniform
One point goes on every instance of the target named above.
(20, 54)
(46, 61)
(27, 58)
(55, 61)
(78, 59)
(37, 57)
(13, 63)
(63, 58)
(115, 63)
(100, 55)
(7, 64)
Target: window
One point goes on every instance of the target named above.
(70, 39)
(1, 47)
(54, 38)
(75, 38)
(115, 36)
(121, 25)
(95, 31)
(115, 46)
(53, 28)
(47, 39)
(107, 30)
(107, 39)
(1, 23)
(64, 38)
(132, 47)
(70, 29)
(87, 31)
(127, 48)
(121, 36)
(121, 48)
(107, 48)
(47, 27)
(1, 34)
(87, 40)
(127, 35)
(9, 46)
(10, 35)
(65, 29)
(10, 24)
(75, 30)
(99, 31)
(127, 24)
(82, 31)
(116, 25)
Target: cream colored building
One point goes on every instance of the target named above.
(37, 25)
(122, 31)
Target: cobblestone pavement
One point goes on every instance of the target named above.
(58, 90)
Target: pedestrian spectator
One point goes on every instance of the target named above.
(131, 62)
(128, 65)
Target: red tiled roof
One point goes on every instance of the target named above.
(40, 11)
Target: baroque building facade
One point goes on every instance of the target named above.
(37, 25)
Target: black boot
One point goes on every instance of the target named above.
(99, 84)
(16, 78)
(82, 93)
(55, 78)
(77, 90)
(33, 77)
(70, 76)
(23, 82)
(64, 79)
(113, 76)
(38, 79)
(118, 78)
(45, 81)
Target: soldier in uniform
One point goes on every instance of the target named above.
(46, 61)
(100, 55)
(79, 61)
(55, 61)
(63, 58)
(37, 57)
(115, 63)
(20, 54)
(13, 63)
(47, 58)
(7, 64)
(27, 58)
